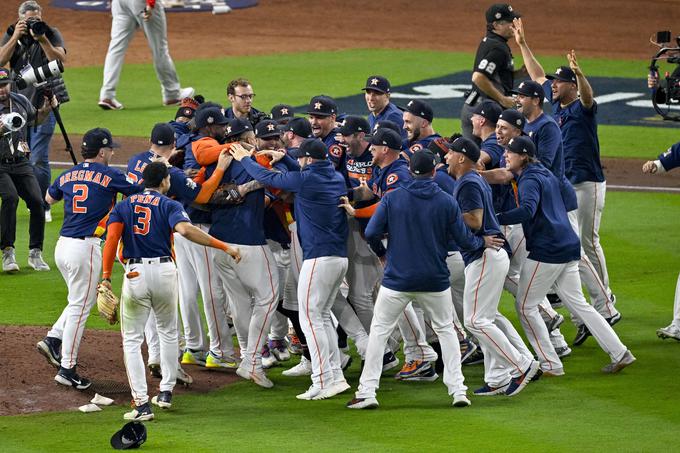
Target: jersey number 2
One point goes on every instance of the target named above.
(142, 221)
(79, 196)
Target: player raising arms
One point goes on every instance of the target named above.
(89, 191)
(145, 223)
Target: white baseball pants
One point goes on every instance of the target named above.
(155, 287)
(80, 263)
(253, 286)
(388, 309)
(591, 196)
(320, 280)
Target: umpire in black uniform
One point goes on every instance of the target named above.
(494, 72)
(17, 178)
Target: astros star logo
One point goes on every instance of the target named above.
(270, 127)
(374, 81)
(317, 106)
(228, 129)
(284, 111)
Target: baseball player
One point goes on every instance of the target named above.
(322, 230)
(89, 192)
(377, 95)
(484, 118)
(253, 283)
(666, 162)
(418, 125)
(191, 259)
(390, 172)
(575, 111)
(493, 73)
(322, 111)
(554, 251)
(240, 95)
(506, 369)
(416, 271)
(282, 113)
(144, 223)
(128, 16)
(546, 135)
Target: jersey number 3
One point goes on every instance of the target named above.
(79, 196)
(142, 221)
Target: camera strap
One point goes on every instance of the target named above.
(12, 139)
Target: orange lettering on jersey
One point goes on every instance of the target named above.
(140, 166)
(97, 178)
(62, 180)
(105, 181)
(148, 199)
(391, 179)
(88, 175)
(156, 201)
(81, 175)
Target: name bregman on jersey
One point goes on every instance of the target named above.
(85, 175)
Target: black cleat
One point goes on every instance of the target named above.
(164, 400)
(582, 335)
(69, 378)
(50, 348)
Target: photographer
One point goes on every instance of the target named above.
(32, 41)
(661, 93)
(16, 175)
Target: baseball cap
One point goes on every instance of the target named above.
(489, 110)
(267, 129)
(210, 116)
(4, 76)
(162, 134)
(186, 112)
(513, 117)
(386, 137)
(563, 73)
(132, 435)
(501, 11)
(422, 162)
(237, 126)
(377, 83)
(521, 145)
(322, 106)
(312, 147)
(353, 124)
(299, 127)
(98, 138)
(530, 88)
(282, 112)
(421, 109)
(466, 146)
(388, 125)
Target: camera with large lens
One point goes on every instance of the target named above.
(37, 26)
(11, 122)
(666, 95)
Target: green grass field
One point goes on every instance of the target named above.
(584, 410)
(299, 76)
(633, 411)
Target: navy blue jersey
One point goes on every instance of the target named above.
(579, 136)
(148, 219)
(419, 145)
(242, 223)
(89, 192)
(546, 135)
(322, 225)
(473, 192)
(389, 113)
(419, 218)
(182, 187)
(359, 168)
(196, 215)
(549, 235)
(493, 149)
(448, 185)
(336, 152)
(671, 158)
(390, 177)
(136, 165)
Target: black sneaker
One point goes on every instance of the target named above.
(582, 335)
(69, 378)
(439, 364)
(518, 383)
(475, 358)
(555, 301)
(164, 400)
(155, 370)
(426, 374)
(50, 348)
(139, 413)
(389, 361)
(614, 319)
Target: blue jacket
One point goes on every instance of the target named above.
(419, 219)
(549, 235)
(671, 158)
(322, 225)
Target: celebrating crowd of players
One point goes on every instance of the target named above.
(379, 229)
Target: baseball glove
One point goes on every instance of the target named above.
(107, 303)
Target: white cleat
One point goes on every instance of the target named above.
(258, 377)
(304, 368)
(669, 332)
(460, 401)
